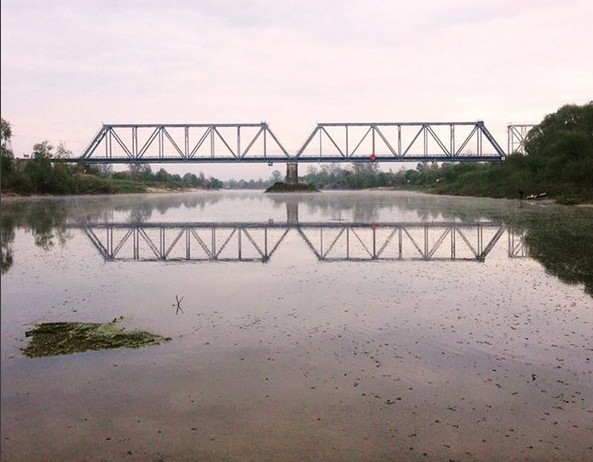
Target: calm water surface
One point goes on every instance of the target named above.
(336, 326)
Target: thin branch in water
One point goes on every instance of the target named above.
(178, 308)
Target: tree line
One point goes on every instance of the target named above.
(558, 162)
(44, 172)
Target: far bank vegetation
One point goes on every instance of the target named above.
(558, 163)
(44, 172)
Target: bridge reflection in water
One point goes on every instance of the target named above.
(328, 241)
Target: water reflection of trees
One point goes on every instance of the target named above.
(141, 207)
(562, 242)
(6, 239)
(45, 219)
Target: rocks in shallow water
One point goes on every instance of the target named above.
(58, 338)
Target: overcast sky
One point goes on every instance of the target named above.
(69, 66)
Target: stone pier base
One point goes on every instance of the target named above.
(292, 174)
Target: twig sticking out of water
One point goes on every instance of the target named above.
(178, 307)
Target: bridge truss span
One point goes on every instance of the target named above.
(401, 142)
(328, 142)
(171, 143)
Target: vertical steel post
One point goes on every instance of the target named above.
(425, 140)
(161, 145)
(108, 144)
(452, 140)
(212, 142)
(135, 142)
(509, 143)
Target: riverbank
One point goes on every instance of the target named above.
(119, 186)
(143, 190)
(543, 200)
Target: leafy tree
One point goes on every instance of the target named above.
(215, 183)
(570, 120)
(105, 170)
(5, 138)
(560, 148)
(7, 165)
(162, 176)
(190, 180)
(42, 150)
(62, 152)
(140, 171)
(276, 176)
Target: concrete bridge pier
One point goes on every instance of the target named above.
(292, 173)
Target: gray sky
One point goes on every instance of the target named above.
(69, 66)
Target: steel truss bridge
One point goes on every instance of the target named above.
(258, 242)
(328, 142)
(516, 137)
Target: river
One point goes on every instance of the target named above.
(350, 326)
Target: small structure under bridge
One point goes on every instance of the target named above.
(333, 241)
(235, 143)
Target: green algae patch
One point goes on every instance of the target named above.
(61, 338)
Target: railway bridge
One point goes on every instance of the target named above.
(336, 142)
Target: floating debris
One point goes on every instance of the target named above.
(59, 338)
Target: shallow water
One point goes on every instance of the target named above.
(334, 326)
